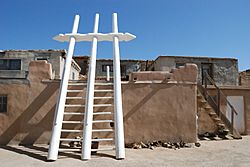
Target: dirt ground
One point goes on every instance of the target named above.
(223, 153)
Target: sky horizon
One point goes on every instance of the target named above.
(214, 28)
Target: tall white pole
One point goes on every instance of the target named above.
(118, 114)
(108, 74)
(57, 124)
(88, 117)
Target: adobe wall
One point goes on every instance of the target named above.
(153, 110)
(205, 124)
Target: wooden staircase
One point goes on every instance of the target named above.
(211, 104)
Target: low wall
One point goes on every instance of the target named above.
(152, 110)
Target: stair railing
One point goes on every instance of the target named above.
(215, 104)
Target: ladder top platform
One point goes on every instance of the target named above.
(89, 37)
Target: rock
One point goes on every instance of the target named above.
(197, 144)
(143, 145)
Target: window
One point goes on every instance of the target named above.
(3, 103)
(42, 58)
(177, 65)
(10, 64)
(104, 68)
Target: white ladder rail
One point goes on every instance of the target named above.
(57, 124)
(89, 104)
(118, 113)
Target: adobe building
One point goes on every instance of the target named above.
(14, 64)
(127, 66)
(157, 105)
(244, 78)
(224, 71)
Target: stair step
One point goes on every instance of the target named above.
(75, 98)
(72, 122)
(68, 139)
(103, 105)
(102, 121)
(216, 119)
(102, 113)
(74, 91)
(103, 84)
(212, 114)
(102, 130)
(74, 105)
(71, 130)
(97, 98)
(69, 149)
(221, 124)
(73, 113)
(103, 149)
(103, 139)
(103, 90)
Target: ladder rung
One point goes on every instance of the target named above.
(75, 98)
(102, 130)
(103, 105)
(102, 121)
(103, 149)
(102, 113)
(68, 139)
(69, 149)
(73, 113)
(103, 139)
(103, 90)
(74, 105)
(72, 122)
(97, 98)
(76, 84)
(71, 130)
(75, 91)
(100, 84)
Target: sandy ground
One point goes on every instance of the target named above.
(226, 153)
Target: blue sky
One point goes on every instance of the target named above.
(216, 28)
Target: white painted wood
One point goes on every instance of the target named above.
(108, 74)
(118, 114)
(87, 132)
(239, 120)
(57, 124)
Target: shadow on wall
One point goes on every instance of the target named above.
(32, 131)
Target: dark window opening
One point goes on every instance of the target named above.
(177, 65)
(42, 58)
(206, 68)
(10, 64)
(3, 103)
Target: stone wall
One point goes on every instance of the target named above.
(224, 70)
